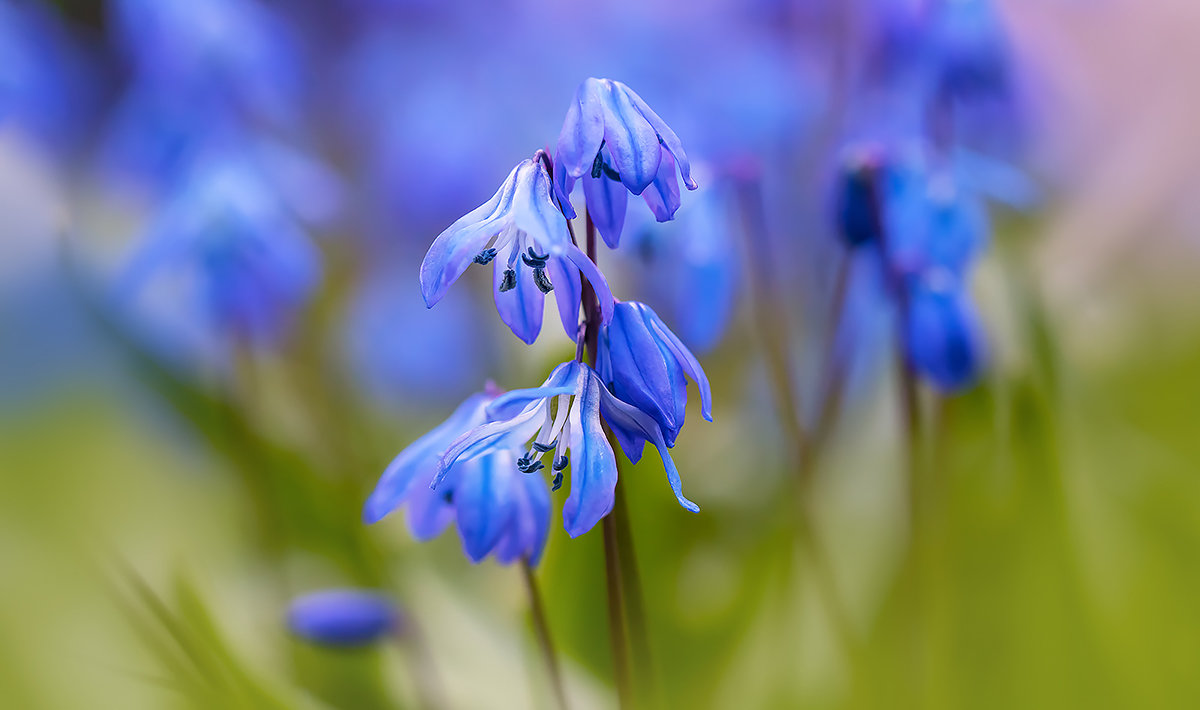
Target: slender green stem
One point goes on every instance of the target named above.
(542, 630)
(635, 603)
(612, 555)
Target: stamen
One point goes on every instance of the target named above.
(560, 463)
(485, 257)
(543, 448)
(541, 280)
(524, 465)
(509, 282)
(610, 172)
(534, 259)
(598, 163)
(558, 480)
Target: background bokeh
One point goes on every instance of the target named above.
(165, 489)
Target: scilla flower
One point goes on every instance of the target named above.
(944, 338)
(615, 142)
(226, 231)
(563, 416)
(645, 364)
(498, 509)
(525, 235)
(343, 617)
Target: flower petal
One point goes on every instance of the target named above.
(568, 290)
(535, 213)
(530, 526)
(399, 477)
(481, 439)
(593, 465)
(606, 203)
(642, 374)
(485, 500)
(669, 139)
(455, 248)
(619, 414)
(685, 357)
(631, 141)
(521, 308)
(582, 131)
(595, 278)
(663, 195)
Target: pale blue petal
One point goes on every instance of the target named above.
(619, 414)
(582, 132)
(669, 139)
(663, 195)
(535, 213)
(398, 478)
(606, 203)
(631, 141)
(685, 357)
(595, 278)
(568, 290)
(485, 501)
(593, 465)
(455, 248)
(521, 308)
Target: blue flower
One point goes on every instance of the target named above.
(611, 136)
(646, 363)
(522, 231)
(229, 236)
(944, 339)
(859, 184)
(691, 266)
(498, 509)
(343, 617)
(563, 416)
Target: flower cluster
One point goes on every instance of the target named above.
(480, 467)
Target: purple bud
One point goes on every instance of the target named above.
(343, 617)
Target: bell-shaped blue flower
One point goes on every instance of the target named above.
(525, 234)
(944, 339)
(228, 236)
(344, 617)
(645, 364)
(610, 135)
(498, 509)
(563, 416)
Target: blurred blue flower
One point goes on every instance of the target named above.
(562, 415)
(244, 258)
(519, 227)
(343, 617)
(645, 364)
(498, 509)
(611, 135)
(969, 50)
(944, 339)
(691, 266)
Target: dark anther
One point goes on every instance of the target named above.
(597, 165)
(524, 465)
(541, 280)
(533, 259)
(509, 282)
(560, 463)
(448, 497)
(558, 478)
(485, 257)
(543, 448)
(610, 173)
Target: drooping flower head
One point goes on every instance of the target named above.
(522, 231)
(615, 142)
(227, 234)
(343, 617)
(498, 509)
(563, 416)
(645, 364)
